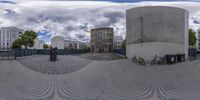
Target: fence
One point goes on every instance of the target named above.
(192, 53)
(28, 52)
(63, 51)
(24, 52)
(7, 55)
(120, 51)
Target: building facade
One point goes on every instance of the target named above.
(8, 35)
(102, 40)
(61, 43)
(38, 44)
(70, 44)
(58, 42)
(118, 41)
(156, 30)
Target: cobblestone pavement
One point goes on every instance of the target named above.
(102, 80)
(100, 56)
(64, 64)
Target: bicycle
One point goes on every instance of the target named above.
(134, 59)
(154, 61)
(141, 61)
(138, 60)
(160, 61)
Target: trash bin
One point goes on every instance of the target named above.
(171, 59)
(180, 57)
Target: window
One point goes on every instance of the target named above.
(3, 37)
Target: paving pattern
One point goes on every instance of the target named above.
(64, 64)
(100, 56)
(102, 80)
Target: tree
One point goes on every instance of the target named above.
(123, 46)
(27, 38)
(45, 46)
(17, 43)
(192, 37)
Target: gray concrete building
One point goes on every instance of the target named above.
(102, 40)
(38, 44)
(156, 30)
(58, 42)
(8, 35)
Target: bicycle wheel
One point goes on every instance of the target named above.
(142, 62)
(152, 62)
(134, 60)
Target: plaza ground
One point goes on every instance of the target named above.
(97, 79)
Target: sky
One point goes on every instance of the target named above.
(73, 19)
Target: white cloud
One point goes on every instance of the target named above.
(74, 19)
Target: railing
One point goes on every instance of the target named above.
(192, 53)
(120, 51)
(24, 52)
(29, 52)
(7, 55)
(63, 51)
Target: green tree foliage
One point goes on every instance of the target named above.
(123, 46)
(27, 38)
(192, 37)
(17, 44)
(85, 47)
(45, 46)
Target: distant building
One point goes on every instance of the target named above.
(8, 35)
(198, 40)
(118, 41)
(88, 44)
(61, 43)
(102, 40)
(38, 44)
(58, 42)
(70, 44)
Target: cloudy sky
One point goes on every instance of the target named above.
(74, 19)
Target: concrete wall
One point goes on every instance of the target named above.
(58, 42)
(156, 30)
(38, 44)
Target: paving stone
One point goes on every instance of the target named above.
(102, 80)
(64, 64)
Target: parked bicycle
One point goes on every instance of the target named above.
(138, 60)
(162, 61)
(154, 61)
(158, 60)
